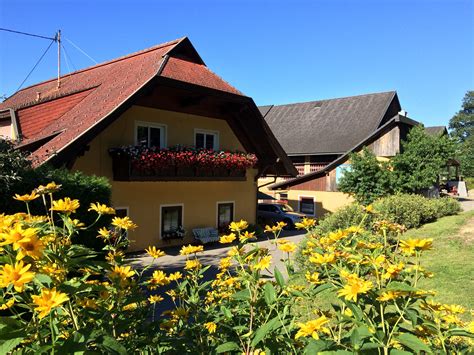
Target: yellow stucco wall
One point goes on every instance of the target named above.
(144, 199)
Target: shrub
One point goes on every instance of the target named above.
(446, 206)
(343, 218)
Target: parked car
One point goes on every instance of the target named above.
(271, 213)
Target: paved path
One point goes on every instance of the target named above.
(467, 204)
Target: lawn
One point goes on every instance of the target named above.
(452, 258)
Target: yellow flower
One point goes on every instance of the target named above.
(274, 229)
(388, 296)
(27, 197)
(16, 234)
(306, 223)
(48, 189)
(226, 239)
(353, 288)
(48, 300)
(211, 327)
(54, 271)
(313, 277)
(113, 256)
(8, 304)
(104, 233)
(31, 246)
(88, 303)
(101, 209)
(369, 209)
(322, 259)
(355, 230)
(130, 307)
(235, 251)
(289, 247)
(124, 223)
(191, 249)
(264, 263)
(16, 275)
(77, 223)
(158, 278)
(155, 253)
(121, 272)
(238, 226)
(155, 299)
(409, 246)
(391, 271)
(175, 276)
(192, 264)
(453, 308)
(225, 263)
(66, 206)
(312, 328)
(246, 236)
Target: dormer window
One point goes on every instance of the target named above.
(149, 134)
(206, 139)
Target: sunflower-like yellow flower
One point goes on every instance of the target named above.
(48, 189)
(66, 206)
(54, 270)
(235, 251)
(104, 233)
(288, 247)
(211, 327)
(312, 328)
(8, 304)
(325, 258)
(392, 270)
(124, 223)
(192, 264)
(354, 287)
(369, 209)
(409, 246)
(453, 308)
(263, 263)
(225, 263)
(355, 230)
(389, 296)
(155, 299)
(121, 272)
(245, 236)
(191, 249)
(101, 208)
(31, 246)
(16, 275)
(16, 234)
(155, 253)
(306, 223)
(276, 228)
(313, 278)
(158, 278)
(226, 239)
(27, 197)
(238, 226)
(175, 276)
(47, 300)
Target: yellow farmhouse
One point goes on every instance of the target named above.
(182, 148)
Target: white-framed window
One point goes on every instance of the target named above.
(225, 215)
(306, 205)
(172, 220)
(149, 134)
(206, 139)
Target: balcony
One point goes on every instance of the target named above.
(179, 164)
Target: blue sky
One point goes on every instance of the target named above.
(274, 51)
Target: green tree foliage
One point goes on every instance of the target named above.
(12, 164)
(422, 159)
(462, 131)
(368, 179)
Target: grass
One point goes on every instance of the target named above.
(451, 259)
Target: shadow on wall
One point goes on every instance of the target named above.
(319, 210)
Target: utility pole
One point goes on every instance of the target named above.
(58, 40)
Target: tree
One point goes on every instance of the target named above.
(13, 165)
(367, 179)
(462, 130)
(422, 159)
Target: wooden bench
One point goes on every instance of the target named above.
(206, 235)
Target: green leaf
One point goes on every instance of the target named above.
(316, 346)
(322, 288)
(412, 342)
(279, 277)
(229, 346)
(242, 295)
(269, 293)
(265, 329)
(460, 333)
(8, 345)
(43, 280)
(356, 311)
(400, 286)
(113, 346)
(399, 352)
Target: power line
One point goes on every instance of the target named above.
(39, 60)
(28, 34)
(68, 58)
(79, 49)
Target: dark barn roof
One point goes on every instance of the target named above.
(436, 130)
(329, 126)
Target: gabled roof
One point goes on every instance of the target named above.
(329, 126)
(343, 158)
(51, 119)
(436, 130)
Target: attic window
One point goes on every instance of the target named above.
(5, 129)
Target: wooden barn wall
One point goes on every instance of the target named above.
(388, 144)
(318, 184)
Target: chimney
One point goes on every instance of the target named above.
(403, 113)
(38, 96)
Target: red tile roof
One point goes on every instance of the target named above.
(88, 96)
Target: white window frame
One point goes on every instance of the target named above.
(161, 216)
(206, 131)
(217, 211)
(300, 197)
(163, 129)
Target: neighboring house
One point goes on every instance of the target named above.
(318, 136)
(159, 97)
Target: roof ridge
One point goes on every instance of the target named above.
(335, 98)
(134, 54)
